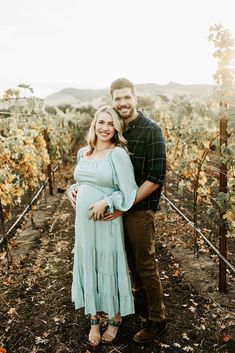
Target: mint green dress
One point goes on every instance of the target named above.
(101, 280)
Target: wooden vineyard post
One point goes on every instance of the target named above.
(49, 172)
(223, 230)
(165, 192)
(4, 237)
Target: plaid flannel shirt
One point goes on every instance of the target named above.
(148, 155)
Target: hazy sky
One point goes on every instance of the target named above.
(54, 44)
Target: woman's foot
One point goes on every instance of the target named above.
(112, 329)
(94, 334)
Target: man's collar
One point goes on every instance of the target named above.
(136, 120)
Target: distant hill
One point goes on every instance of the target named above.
(97, 97)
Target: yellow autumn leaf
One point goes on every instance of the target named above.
(229, 216)
(19, 192)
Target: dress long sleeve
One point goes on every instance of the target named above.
(123, 174)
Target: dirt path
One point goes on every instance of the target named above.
(36, 310)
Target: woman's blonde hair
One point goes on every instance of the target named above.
(118, 124)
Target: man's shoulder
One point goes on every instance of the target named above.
(147, 121)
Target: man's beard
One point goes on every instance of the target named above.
(127, 114)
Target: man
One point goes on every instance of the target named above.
(147, 148)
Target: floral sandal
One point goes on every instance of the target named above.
(111, 331)
(94, 338)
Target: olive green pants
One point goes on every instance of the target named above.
(140, 249)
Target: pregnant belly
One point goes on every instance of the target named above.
(86, 196)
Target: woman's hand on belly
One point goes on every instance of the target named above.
(98, 210)
(72, 195)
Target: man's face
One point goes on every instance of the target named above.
(124, 102)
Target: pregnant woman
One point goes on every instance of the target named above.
(105, 178)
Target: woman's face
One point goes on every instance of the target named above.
(104, 128)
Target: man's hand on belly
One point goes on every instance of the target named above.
(112, 216)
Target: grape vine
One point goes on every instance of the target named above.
(24, 153)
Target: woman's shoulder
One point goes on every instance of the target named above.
(119, 151)
(120, 155)
(82, 151)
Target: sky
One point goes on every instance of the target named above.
(56, 44)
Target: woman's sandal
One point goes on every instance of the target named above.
(111, 331)
(94, 338)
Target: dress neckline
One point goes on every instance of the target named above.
(98, 160)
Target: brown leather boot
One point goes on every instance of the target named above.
(152, 331)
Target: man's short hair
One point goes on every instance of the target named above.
(122, 83)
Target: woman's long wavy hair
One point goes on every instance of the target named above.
(118, 124)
